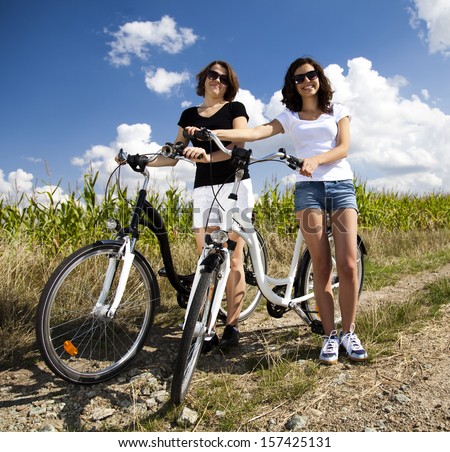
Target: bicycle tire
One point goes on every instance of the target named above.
(306, 282)
(101, 347)
(253, 295)
(193, 336)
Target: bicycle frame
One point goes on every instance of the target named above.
(265, 281)
(156, 224)
(224, 271)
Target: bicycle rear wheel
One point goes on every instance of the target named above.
(306, 281)
(252, 295)
(193, 336)
(79, 343)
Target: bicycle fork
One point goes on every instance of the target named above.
(125, 254)
(213, 262)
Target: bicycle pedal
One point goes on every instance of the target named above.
(276, 311)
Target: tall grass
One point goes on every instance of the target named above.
(404, 212)
(388, 211)
(63, 225)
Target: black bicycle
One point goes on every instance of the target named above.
(97, 308)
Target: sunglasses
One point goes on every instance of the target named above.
(213, 75)
(300, 78)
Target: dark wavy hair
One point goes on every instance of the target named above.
(233, 82)
(293, 100)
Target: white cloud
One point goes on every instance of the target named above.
(162, 81)
(425, 94)
(34, 159)
(135, 39)
(435, 15)
(16, 182)
(397, 143)
(133, 139)
(19, 183)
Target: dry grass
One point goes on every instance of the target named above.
(27, 268)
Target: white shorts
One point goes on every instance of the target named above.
(211, 204)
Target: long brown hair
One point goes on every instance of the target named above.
(291, 97)
(233, 82)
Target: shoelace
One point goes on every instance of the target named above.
(353, 339)
(331, 343)
(330, 346)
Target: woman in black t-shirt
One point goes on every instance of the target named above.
(214, 177)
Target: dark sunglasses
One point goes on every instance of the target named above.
(213, 75)
(300, 78)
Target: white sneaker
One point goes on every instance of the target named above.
(330, 349)
(352, 345)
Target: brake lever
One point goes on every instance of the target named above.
(122, 157)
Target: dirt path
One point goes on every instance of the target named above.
(408, 391)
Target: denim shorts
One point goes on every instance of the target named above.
(325, 195)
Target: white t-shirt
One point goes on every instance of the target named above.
(311, 138)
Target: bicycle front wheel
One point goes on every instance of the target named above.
(306, 281)
(78, 341)
(253, 295)
(193, 336)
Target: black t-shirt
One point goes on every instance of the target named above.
(218, 172)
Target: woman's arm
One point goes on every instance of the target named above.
(239, 123)
(254, 134)
(339, 152)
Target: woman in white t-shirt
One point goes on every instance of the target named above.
(320, 131)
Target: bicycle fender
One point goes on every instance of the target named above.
(108, 242)
(211, 262)
(361, 245)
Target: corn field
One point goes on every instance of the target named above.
(62, 226)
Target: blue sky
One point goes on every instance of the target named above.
(80, 79)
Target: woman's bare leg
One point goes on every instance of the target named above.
(344, 224)
(313, 226)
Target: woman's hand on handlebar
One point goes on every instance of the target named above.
(308, 167)
(196, 154)
(190, 130)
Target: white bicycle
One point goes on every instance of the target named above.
(293, 292)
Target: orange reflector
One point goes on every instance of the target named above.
(70, 348)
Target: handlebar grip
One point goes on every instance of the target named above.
(138, 162)
(173, 151)
(294, 163)
(202, 134)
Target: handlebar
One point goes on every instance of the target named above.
(175, 151)
(139, 162)
(204, 134)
